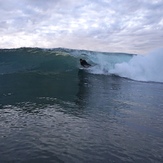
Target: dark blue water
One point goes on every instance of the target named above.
(74, 116)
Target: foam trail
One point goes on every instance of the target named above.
(143, 68)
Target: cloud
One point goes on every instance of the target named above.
(104, 25)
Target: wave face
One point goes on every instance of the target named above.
(58, 60)
(35, 60)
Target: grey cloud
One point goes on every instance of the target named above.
(94, 24)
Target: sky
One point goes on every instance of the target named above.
(131, 26)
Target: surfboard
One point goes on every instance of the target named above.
(86, 66)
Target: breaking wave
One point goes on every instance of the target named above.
(143, 68)
(137, 67)
(146, 68)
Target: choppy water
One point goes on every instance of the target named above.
(52, 111)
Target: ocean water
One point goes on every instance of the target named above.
(54, 111)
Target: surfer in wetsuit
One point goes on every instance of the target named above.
(84, 63)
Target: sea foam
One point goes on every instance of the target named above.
(142, 67)
(147, 67)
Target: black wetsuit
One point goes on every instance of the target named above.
(84, 63)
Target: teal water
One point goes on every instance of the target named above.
(51, 110)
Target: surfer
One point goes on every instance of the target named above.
(84, 63)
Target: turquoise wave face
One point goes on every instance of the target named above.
(35, 60)
(56, 60)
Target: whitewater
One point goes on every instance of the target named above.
(142, 67)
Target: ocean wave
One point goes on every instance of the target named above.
(58, 60)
